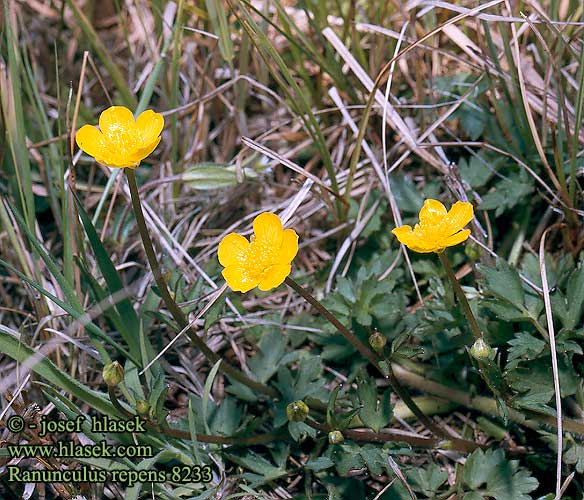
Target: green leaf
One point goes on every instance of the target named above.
(299, 430)
(480, 465)
(406, 193)
(226, 417)
(473, 121)
(319, 464)
(207, 394)
(574, 455)
(476, 171)
(353, 457)
(221, 28)
(309, 381)
(330, 408)
(525, 344)
(504, 479)
(157, 396)
(263, 469)
(374, 414)
(271, 349)
(503, 282)
(473, 495)
(506, 311)
(508, 192)
(573, 305)
(534, 381)
(427, 480)
(508, 483)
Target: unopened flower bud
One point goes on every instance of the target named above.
(297, 411)
(481, 351)
(113, 374)
(336, 437)
(143, 408)
(473, 250)
(377, 341)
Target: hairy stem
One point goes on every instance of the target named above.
(374, 360)
(173, 307)
(474, 326)
(111, 390)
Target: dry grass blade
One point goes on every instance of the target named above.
(287, 163)
(348, 242)
(525, 99)
(399, 474)
(383, 179)
(554, 354)
(212, 300)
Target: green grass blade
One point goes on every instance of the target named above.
(95, 332)
(45, 368)
(102, 52)
(11, 100)
(131, 329)
(220, 26)
(297, 98)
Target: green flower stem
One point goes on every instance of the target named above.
(474, 326)
(374, 360)
(488, 368)
(173, 307)
(348, 334)
(111, 390)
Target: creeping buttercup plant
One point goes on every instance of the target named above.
(280, 286)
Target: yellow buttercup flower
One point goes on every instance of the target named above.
(438, 228)
(120, 140)
(265, 261)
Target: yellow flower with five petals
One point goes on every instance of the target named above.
(265, 261)
(438, 228)
(121, 141)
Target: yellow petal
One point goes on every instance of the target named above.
(423, 249)
(268, 231)
(238, 279)
(421, 243)
(416, 240)
(91, 140)
(289, 247)
(456, 238)
(459, 215)
(404, 234)
(432, 212)
(148, 127)
(274, 276)
(233, 250)
(115, 120)
(145, 151)
(114, 159)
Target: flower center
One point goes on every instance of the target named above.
(121, 140)
(260, 257)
